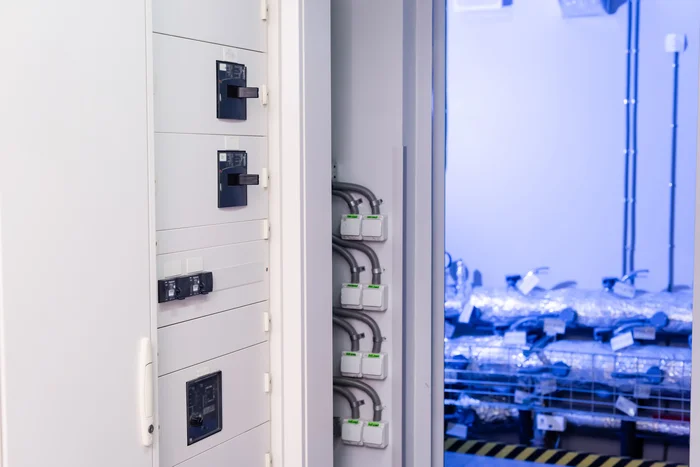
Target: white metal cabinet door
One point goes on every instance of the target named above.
(74, 294)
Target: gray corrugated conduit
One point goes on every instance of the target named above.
(373, 258)
(366, 388)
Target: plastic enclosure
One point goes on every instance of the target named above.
(351, 432)
(351, 296)
(351, 227)
(375, 435)
(374, 366)
(351, 364)
(375, 297)
(374, 228)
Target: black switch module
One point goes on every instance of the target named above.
(204, 407)
(182, 287)
(234, 178)
(232, 91)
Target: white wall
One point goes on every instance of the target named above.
(536, 138)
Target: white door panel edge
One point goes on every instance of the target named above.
(695, 384)
(70, 345)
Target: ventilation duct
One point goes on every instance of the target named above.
(575, 8)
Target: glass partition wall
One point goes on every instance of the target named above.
(569, 230)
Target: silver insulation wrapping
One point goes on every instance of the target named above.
(493, 414)
(595, 308)
(589, 361)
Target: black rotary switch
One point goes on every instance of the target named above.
(196, 419)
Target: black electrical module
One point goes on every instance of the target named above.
(204, 409)
(234, 178)
(182, 287)
(232, 91)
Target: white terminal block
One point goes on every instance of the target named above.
(351, 296)
(375, 435)
(351, 227)
(351, 432)
(676, 43)
(374, 365)
(375, 297)
(374, 227)
(351, 364)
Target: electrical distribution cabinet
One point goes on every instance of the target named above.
(211, 221)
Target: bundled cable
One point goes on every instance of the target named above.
(373, 258)
(351, 202)
(377, 338)
(350, 329)
(352, 400)
(355, 268)
(367, 389)
(374, 202)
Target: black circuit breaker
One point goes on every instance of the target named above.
(232, 91)
(234, 178)
(204, 407)
(182, 287)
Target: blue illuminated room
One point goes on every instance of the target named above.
(569, 230)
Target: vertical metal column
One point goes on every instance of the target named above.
(631, 106)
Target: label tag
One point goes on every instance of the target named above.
(222, 67)
(622, 341)
(626, 406)
(515, 339)
(457, 430)
(527, 283)
(521, 397)
(449, 330)
(554, 326)
(642, 391)
(551, 423)
(623, 289)
(645, 333)
(547, 386)
(466, 314)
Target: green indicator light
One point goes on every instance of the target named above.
(373, 286)
(352, 216)
(352, 286)
(372, 355)
(351, 354)
(373, 424)
(354, 422)
(372, 217)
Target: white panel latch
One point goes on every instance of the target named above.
(263, 10)
(264, 95)
(264, 178)
(146, 387)
(268, 460)
(267, 385)
(266, 321)
(266, 229)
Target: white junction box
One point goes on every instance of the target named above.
(375, 435)
(351, 432)
(374, 365)
(551, 423)
(351, 364)
(351, 227)
(374, 228)
(351, 296)
(375, 297)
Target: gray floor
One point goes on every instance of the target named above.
(463, 460)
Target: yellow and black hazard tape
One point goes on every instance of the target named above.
(546, 456)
